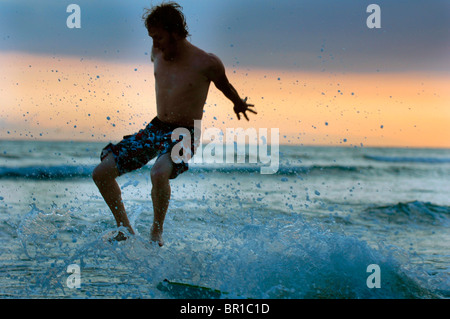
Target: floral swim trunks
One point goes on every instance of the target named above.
(136, 150)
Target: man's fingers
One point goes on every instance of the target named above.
(244, 110)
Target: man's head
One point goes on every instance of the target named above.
(167, 16)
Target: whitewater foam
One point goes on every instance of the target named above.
(288, 258)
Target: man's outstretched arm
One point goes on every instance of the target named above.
(220, 80)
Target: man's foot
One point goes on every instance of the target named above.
(156, 236)
(119, 237)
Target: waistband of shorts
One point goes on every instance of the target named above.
(168, 126)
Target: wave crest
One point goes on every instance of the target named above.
(415, 212)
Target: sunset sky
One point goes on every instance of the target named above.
(312, 68)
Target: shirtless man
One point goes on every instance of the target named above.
(183, 74)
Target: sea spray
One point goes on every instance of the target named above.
(309, 231)
(289, 258)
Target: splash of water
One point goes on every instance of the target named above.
(285, 258)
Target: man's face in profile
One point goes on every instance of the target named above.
(163, 41)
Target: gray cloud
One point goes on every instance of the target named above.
(109, 29)
(333, 34)
(306, 35)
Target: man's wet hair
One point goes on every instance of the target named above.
(167, 16)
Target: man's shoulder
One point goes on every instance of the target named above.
(209, 59)
(207, 63)
(211, 62)
(214, 60)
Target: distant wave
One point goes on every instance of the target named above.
(60, 172)
(46, 172)
(403, 159)
(282, 170)
(415, 212)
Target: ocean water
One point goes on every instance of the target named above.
(309, 231)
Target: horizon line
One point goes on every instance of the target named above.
(340, 145)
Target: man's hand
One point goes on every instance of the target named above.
(242, 108)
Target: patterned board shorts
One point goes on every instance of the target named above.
(136, 150)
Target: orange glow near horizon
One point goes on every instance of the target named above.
(66, 98)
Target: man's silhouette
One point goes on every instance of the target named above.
(183, 74)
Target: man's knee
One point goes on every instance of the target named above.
(106, 170)
(97, 175)
(159, 176)
(161, 171)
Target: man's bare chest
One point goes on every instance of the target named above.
(180, 75)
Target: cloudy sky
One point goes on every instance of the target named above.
(255, 38)
(265, 33)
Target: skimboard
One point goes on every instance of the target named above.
(182, 290)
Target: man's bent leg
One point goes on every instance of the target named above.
(104, 176)
(160, 174)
